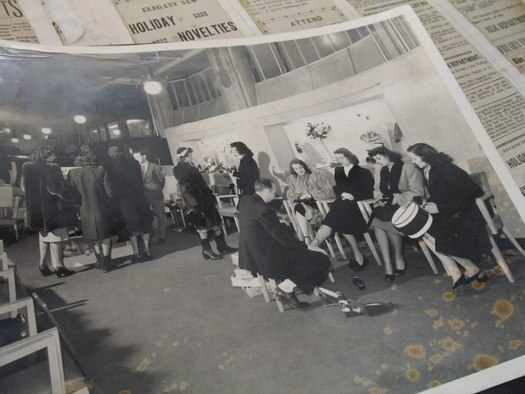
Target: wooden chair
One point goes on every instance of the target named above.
(35, 342)
(495, 226)
(228, 208)
(297, 228)
(10, 209)
(365, 206)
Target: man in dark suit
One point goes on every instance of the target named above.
(271, 248)
(154, 180)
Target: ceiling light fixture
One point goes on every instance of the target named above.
(14, 140)
(46, 130)
(80, 119)
(152, 87)
(27, 136)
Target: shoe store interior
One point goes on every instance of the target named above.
(114, 286)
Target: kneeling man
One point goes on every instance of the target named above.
(271, 248)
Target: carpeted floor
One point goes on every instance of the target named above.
(176, 325)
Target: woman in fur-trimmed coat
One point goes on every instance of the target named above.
(201, 202)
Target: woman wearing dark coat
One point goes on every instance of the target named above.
(248, 171)
(125, 176)
(458, 229)
(352, 183)
(48, 208)
(97, 210)
(199, 199)
(397, 183)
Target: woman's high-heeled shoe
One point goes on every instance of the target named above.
(210, 255)
(62, 272)
(44, 270)
(358, 282)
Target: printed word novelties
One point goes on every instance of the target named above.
(207, 31)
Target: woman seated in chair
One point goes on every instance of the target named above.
(305, 186)
(458, 232)
(397, 183)
(352, 183)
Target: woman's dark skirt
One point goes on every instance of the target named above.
(345, 217)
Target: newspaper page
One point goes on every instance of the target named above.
(178, 20)
(282, 16)
(502, 22)
(376, 81)
(498, 104)
(14, 24)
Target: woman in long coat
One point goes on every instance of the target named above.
(48, 208)
(352, 183)
(248, 171)
(199, 199)
(125, 176)
(458, 230)
(97, 210)
(397, 183)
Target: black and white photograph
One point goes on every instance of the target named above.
(311, 212)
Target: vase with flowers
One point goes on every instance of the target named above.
(319, 131)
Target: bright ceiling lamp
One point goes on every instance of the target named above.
(152, 87)
(46, 130)
(80, 119)
(27, 136)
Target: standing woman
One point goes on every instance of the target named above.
(199, 199)
(352, 183)
(397, 184)
(248, 171)
(97, 210)
(458, 232)
(47, 208)
(305, 187)
(125, 177)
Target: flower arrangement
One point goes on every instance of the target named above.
(212, 166)
(317, 130)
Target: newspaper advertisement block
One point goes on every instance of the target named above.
(282, 16)
(14, 24)
(180, 20)
(502, 22)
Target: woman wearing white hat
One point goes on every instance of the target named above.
(201, 202)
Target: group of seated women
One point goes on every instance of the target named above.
(457, 235)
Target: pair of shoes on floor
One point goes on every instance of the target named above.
(209, 254)
(354, 265)
(290, 299)
(358, 282)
